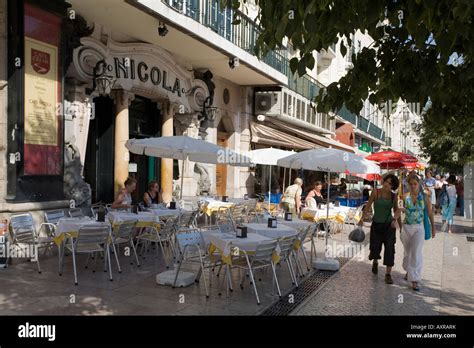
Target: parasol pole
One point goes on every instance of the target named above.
(269, 187)
(182, 177)
(327, 211)
(284, 179)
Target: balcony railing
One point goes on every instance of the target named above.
(304, 85)
(243, 35)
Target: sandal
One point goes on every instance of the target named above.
(388, 279)
(416, 286)
(375, 267)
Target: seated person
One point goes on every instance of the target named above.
(124, 197)
(153, 195)
(316, 194)
(333, 190)
(342, 187)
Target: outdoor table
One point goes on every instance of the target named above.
(223, 243)
(212, 205)
(336, 213)
(161, 213)
(297, 224)
(278, 232)
(145, 219)
(68, 227)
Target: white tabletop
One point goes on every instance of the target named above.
(224, 241)
(295, 223)
(277, 232)
(68, 225)
(166, 212)
(117, 217)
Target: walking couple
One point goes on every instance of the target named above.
(412, 231)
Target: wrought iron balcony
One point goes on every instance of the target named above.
(243, 35)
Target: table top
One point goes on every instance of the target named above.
(270, 232)
(68, 225)
(166, 212)
(224, 241)
(295, 223)
(116, 216)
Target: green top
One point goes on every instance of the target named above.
(382, 210)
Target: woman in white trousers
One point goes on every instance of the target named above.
(413, 231)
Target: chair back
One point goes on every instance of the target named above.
(223, 213)
(265, 251)
(53, 216)
(185, 218)
(22, 228)
(92, 234)
(225, 226)
(76, 213)
(189, 237)
(239, 214)
(95, 209)
(169, 227)
(286, 245)
(125, 229)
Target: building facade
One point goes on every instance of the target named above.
(82, 77)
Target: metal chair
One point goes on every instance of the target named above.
(91, 239)
(225, 226)
(286, 251)
(23, 231)
(123, 233)
(76, 213)
(52, 217)
(192, 249)
(262, 258)
(238, 214)
(299, 246)
(184, 220)
(165, 234)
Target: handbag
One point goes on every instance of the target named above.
(357, 235)
(426, 223)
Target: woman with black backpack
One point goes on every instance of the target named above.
(383, 228)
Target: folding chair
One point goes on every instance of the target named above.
(286, 251)
(23, 231)
(76, 213)
(166, 234)
(91, 239)
(123, 233)
(192, 249)
(262, 258)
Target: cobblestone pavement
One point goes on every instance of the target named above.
(447, 287)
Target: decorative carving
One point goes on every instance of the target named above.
(204, 181)
(73, 31)
(74, 185)
(187, 124)
(207, 76)
(121, 96)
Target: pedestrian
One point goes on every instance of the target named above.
(342, 187)
(413, 231)
(460, 194)
(429, 184)
(315, 197)
(124, 196)
(438, 186)
(383, 228)
(153, 195)
(448, 203)
(291, 199)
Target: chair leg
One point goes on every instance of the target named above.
(253, 283)
(37, 258)
(163, 252)
(276, 279)
(305, 257)
(61, 258)
(204, 276)
(135, 252)
(74, 265)
(116, 257)
(177, 272)
(110, 263)
(292, 270)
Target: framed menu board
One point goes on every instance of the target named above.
(41, 79)
(43, 135)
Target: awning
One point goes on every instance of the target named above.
(313, 138)
(262, 134)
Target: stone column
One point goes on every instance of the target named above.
(167, 163)
(121, 155)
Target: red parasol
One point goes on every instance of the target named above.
(392, 159)
(369, 177)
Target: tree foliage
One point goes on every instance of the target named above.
(411, 58)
